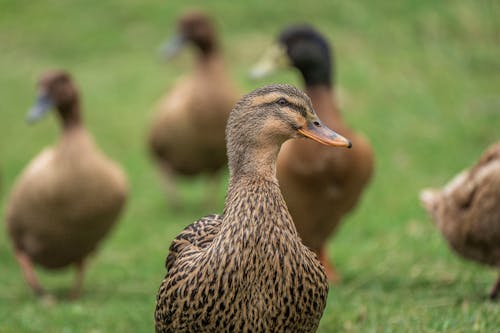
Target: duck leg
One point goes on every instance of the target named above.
(331, 273)
(79, 275)
(495, 291)
(28, 272)
(170, 186)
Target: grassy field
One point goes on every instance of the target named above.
(420, 78)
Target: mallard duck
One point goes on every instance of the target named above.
(68, 197)
(247, 270)
(467, 211)
(320, 185)
(179, 140)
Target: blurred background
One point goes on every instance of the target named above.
(421, 79)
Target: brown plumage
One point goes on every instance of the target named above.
(247, 270)
(187, 132)
(68, 197)
(467, 211)
(320, 185)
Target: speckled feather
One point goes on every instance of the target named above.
(467, 211)
(196, 235)
(255, 284)
(245, 270)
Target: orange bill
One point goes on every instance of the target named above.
(318, 132)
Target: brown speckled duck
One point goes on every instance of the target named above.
(179, 140)
(320, 185)
(69, 196)
(247, 270)
(467, 211)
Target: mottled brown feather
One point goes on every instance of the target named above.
(245, 270)
(467, 210)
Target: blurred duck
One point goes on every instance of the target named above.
(187, 132)
(247, 270)
(69, 196)
(320, 185)
(467, 211)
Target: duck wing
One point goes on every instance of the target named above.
(197, 235)
(471, 183)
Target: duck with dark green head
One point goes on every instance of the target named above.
(320, 185)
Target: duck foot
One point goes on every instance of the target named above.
(332, 275)
(29, 274)
(78, 284)
(495, 291)
(170, 187)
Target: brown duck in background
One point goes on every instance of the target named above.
(320, 185)
(69, 196)
(247, 269)
(467, 211)
(187, 133)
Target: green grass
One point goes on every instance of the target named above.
(420, 78)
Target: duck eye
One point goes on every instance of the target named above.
(282, 102)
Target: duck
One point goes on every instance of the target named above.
(69, 197)
(320, 185)
(178, 137)
(467, 212)
(247, 270)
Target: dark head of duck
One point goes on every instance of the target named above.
(198, 28)
(193, 27)
(309, 52)
(57, 91)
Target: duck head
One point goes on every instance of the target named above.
(196, 28)
(265, 118)
(56, 91)
(301, 47)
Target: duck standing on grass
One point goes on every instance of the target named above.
(467, 212)
(320, 185)
(178, 139)
(247, 269)
(69, 196)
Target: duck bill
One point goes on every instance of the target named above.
(322, 134)
(273, 59)
(428, 198)
(42, 105)
(172, 47)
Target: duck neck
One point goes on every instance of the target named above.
(254, 161)
(70, 115)
(254, 201)
(209, 60)
(316, 74)
(324, 102)
(255, 209)
(207, 49)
